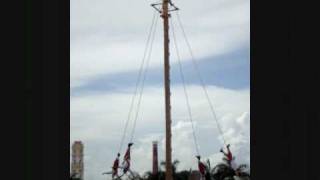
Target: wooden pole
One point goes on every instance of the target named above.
(165, 16)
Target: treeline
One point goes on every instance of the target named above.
(221, 171)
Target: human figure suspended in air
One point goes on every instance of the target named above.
(126, 160)
(115, 166)
(227, 155)
(202, 168)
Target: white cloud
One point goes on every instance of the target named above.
(109, 36)
(98, 120)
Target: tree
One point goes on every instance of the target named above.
(182, 175)
(174, 165)
(224, 172)
(241, 171)
(160, 175)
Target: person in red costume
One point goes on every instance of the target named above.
(228, 155)
(126, 159)
(115, 166)
(202, 168)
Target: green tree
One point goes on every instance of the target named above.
(175, 164)
(224, 172)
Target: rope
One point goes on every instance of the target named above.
(185, 89)
(144, 77)
(137, 82)
(201, 80)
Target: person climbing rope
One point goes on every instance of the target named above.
(115, 166)
(126, 159)
(202, 168)
(228, 155)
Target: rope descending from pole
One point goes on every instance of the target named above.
(184, 88)
(137, 82)
(201, 79)
(144, 77)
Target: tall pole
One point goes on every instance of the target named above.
(165, 16)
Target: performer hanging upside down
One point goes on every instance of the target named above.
(202, 168)
(115, 166)
(227, 156)
(126, 160)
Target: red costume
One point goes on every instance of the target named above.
(127, 155)
(115, 167)
(126, 159)
(229, 155)
(202, 168)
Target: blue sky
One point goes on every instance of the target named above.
(230, 70)
(107, 42)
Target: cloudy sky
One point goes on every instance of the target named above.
(107, 44)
